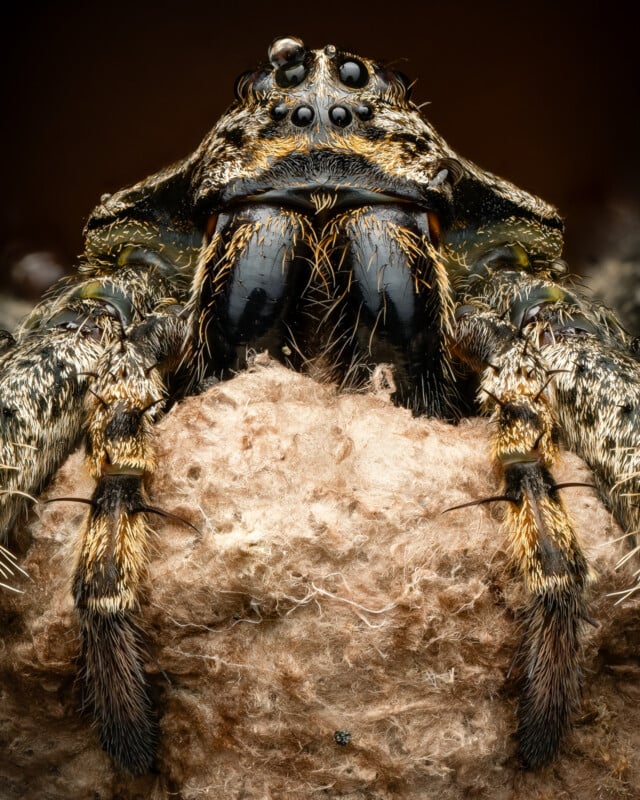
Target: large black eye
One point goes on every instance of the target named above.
(291, 76)
(353, 74)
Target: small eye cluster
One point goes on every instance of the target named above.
(288, 56)
(339, 114)
(290, 64)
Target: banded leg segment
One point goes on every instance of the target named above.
(125, 401)
(596, 380)
(544, 544)
(46, 373)
(44, 379)
(597, 394)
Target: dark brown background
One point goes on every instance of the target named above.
(95, 97)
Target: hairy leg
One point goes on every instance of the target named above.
(126, 398)
(91, 358)
(544, 545)
(553, 366)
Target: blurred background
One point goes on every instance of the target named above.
(96, 96)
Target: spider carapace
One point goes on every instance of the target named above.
(322, 219)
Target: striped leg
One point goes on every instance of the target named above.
(43, 382)
(596, 381)
(44, 375)
(544, 544)
(597, 393)
(126, 399)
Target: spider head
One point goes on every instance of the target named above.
(325, 121)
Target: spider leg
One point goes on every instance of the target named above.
(125, 400)
(597, 395)
(95, 354)
(44, 378)
(596, 384)
(46, 371)
(552, 363)
(544, 544)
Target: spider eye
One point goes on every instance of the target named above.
(291, 76)
(364, 112)
(353, 74)
(302, 116)
(279, 112)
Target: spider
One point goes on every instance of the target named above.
(325, 221)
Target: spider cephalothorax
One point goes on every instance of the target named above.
(325, 221)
